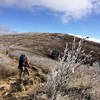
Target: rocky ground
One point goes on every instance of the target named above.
(11, 87)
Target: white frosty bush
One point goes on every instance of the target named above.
(66, 66)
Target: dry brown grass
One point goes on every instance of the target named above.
(5, 73)
(7, 67)
(9, 75)
(41, 43)
(35, 60)
(84, 84)
(37, 47)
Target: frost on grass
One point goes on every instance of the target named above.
(66, 66)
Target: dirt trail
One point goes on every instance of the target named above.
(11, 88)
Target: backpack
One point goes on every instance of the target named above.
(55, 54)
(22, 61)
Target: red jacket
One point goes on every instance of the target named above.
(27, 63)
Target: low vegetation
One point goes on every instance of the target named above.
(50, 79)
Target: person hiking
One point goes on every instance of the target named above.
(23, 66)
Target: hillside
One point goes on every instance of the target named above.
(37, 46)
(42, 43)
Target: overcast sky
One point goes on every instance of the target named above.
(79, 17)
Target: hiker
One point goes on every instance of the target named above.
(23, 65)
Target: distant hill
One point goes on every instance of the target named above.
(43, 43)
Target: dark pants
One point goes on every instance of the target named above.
(23, 71)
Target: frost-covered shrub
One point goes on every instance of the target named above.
(66, 66)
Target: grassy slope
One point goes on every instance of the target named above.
(36, 47)
(41, 44)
